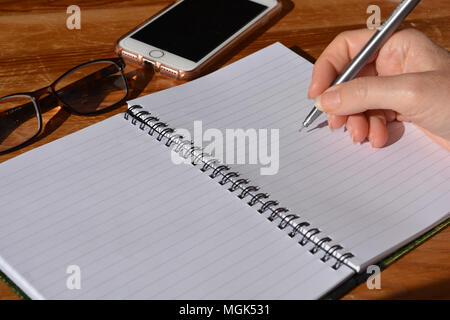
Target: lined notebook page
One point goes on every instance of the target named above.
(370, 201)
(109, 200)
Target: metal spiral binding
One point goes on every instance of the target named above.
(186, 149)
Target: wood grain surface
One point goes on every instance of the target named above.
(36, 47)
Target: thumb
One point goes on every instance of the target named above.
(398, 93)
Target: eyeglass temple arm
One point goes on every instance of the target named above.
(25, 111)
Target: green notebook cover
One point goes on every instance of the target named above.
(13, 286)
(383, 264)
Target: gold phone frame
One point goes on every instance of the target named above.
(180, 74)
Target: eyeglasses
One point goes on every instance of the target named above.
(90, 88)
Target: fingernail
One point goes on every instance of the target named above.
(382, 118)
(318, 104)
(351, 136)
(348, 127)
(350, 132)
(330, 122)
(371, 141)
(328, 101)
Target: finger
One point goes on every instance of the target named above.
(390, 115)
(368, 70)
(378, 134)
(336, 57)
(358, 127)
(335, 122)
(400, 93)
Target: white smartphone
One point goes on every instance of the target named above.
(189, 36)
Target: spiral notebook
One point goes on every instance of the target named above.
(108, 201)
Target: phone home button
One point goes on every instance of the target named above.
(156, 53)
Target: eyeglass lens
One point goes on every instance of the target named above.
(92, 88)
(19, 121)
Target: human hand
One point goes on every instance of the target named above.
(408, 80)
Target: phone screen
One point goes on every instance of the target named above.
(194, 28)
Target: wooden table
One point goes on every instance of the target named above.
(36, 47)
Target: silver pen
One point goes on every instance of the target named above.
(375, 43)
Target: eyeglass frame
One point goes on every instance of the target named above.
(50, 89)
